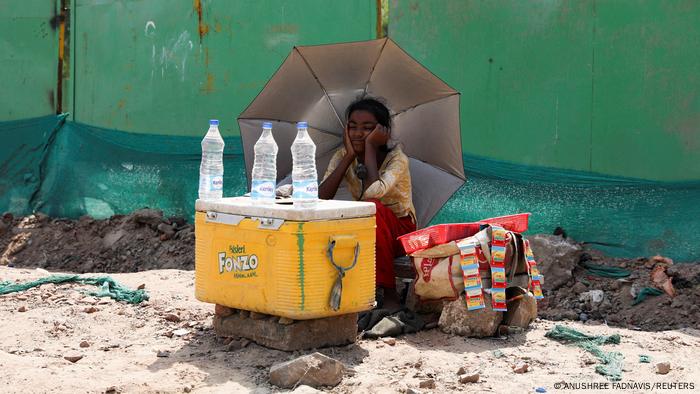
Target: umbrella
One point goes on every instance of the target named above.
(316, 84)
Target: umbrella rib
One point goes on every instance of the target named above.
(364, 92)
(325, 92)
(292, 123)
(423, 103)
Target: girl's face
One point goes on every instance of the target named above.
(360, 124)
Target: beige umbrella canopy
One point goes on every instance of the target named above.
(316, 84)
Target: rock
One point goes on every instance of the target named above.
(314, 370)
(427, 384)
(522, 311)
(172, 317)
(663, 368)
(113, 237)
(521, 368)
(166, 229)
(73, 358)
(163, 353)
(223, 311)
(7, 217)
(579, 288)
(84, 344)
(456, 319)
(556, 258)
(151, 217)
(3, 227)
(257, 315)
(461, 371)
(469, 378)
(141, 286)
(237, 345)
(583, 317)
(413, 391)
(390, 341)
(90, 309)
(592, 296)
(304, 389)
(22, 309)
(285, 321)
(181, 332)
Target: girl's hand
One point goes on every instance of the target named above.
(378, 137)
(349, 151)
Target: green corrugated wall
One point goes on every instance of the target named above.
(166, 67)
(607, 86)
(160, 66)
(28, 58)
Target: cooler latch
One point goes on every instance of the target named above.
(269, 223)
(223, 218)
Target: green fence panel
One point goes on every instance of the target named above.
(166, 67)
(646, 114)
(523, 68)
(28, 58)
(607, 86)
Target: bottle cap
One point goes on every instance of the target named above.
(267, 125)
(302, 125)
(213, 122)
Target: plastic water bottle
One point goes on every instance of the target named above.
(211, 171)
(264, 174)
(304, 176)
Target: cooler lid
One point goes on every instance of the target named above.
(283, 209)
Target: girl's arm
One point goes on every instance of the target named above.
(329, 187)
(378, 137)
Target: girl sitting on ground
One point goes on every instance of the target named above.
(375, 169)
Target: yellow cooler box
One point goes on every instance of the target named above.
(277, 260)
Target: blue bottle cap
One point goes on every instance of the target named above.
(302, 125)
(267, 125)
(213, 122)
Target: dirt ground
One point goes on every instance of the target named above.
(123, 342)
(167, 343)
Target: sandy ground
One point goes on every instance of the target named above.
(123, 343)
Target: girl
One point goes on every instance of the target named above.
(375, 170)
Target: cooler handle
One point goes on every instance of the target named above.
(337, 289)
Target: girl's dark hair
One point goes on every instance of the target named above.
(373, 106)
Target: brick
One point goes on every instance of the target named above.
(301, 334)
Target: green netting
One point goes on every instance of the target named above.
(24, 143)
(611, 361)
(605, 271)
(646, 292)
(100, 172)
(108, 287)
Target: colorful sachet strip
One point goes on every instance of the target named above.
(473, 288)
(536, 279)
(470, 272)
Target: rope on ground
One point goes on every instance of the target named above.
(108, 287)
(611, 361)
(605, 271)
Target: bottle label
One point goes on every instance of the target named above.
(211, 182)
(305, 190)
(262, 189)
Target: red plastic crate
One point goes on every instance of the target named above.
(443, 233)
(517, 223)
